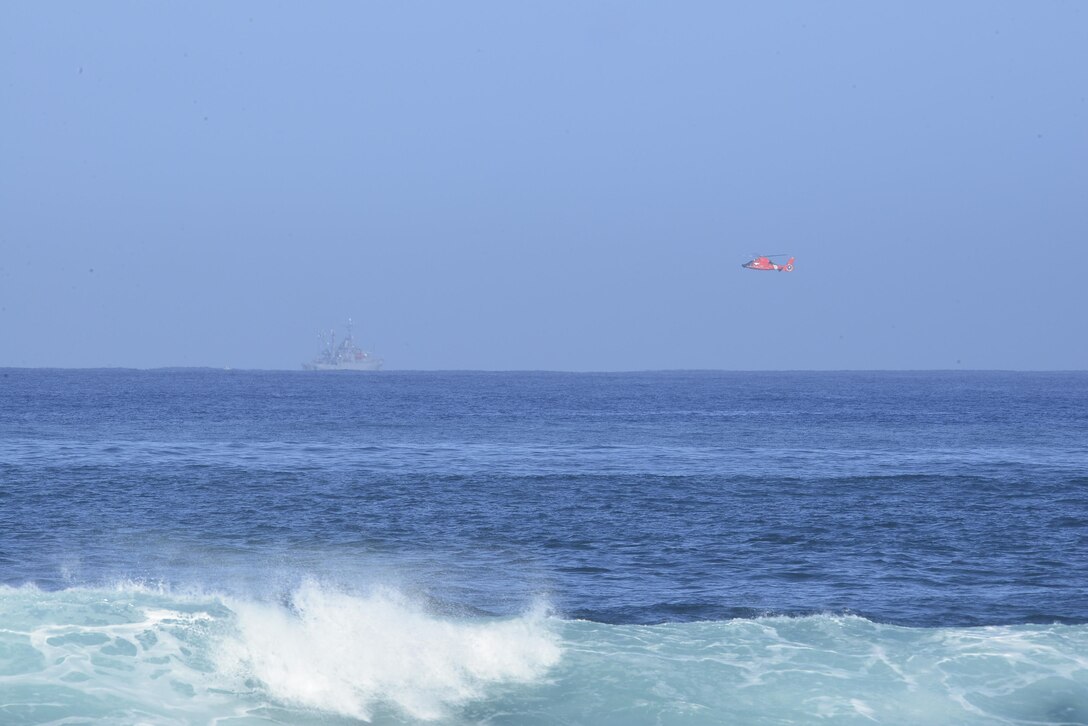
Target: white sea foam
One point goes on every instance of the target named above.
(134, 653)
(347, 653)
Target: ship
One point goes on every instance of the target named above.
(343, 357)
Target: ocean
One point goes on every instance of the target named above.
(256, 547)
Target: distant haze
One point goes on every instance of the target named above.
(568, 186)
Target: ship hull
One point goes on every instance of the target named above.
(363, 365)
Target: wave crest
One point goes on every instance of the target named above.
(349, 653)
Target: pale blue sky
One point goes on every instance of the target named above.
(568, 186)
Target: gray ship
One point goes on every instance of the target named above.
(343, 357)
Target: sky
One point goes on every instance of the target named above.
(545, 186)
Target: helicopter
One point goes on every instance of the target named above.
(763, 262)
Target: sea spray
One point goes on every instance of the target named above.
(137, 655)
(134, 655)
(345, 653)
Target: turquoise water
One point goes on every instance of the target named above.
(209, 547)
(134, 655)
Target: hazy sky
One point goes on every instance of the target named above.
(568, 186)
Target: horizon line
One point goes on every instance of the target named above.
(231, 369)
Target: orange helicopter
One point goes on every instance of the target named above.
(763, 262)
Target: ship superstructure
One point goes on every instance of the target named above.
(346, 356)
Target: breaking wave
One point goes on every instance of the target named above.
(137, 654)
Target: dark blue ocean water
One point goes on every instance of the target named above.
(560, 515)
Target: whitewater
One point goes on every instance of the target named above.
(212, 547)
(130, 654)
